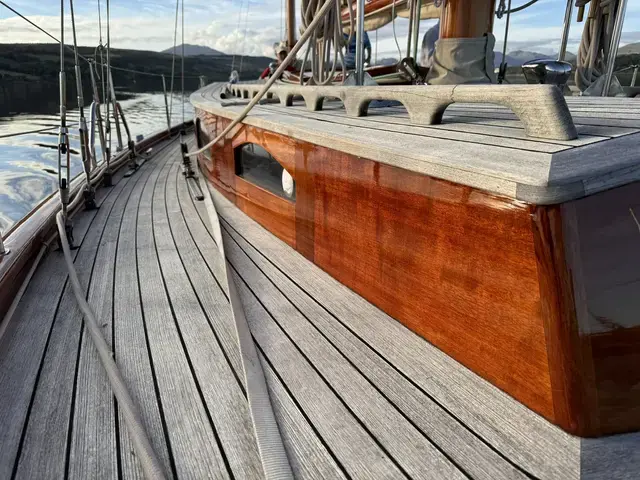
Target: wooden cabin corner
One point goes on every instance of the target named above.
(508, 288)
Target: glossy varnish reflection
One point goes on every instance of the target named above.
(466, 18)
(487, 279)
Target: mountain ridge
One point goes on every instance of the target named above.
(191, 50)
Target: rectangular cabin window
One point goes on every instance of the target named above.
(256, 165)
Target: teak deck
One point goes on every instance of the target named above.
(356, 394)
(541, 300)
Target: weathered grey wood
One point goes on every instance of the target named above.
(467, 450)
(60, 368)
(502, 168)
(222, 393)
(603, 119)
(486, 132)
(93, 449)
(611, 458)
(410, 448)
(541, 108)
(308, 456)
(429, 132)
(193, 445)
(201, 256)
(131, 353)
(359, 454)
(21, 352)
(590, 127)
(522, 436)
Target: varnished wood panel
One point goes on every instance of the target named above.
(267, 209)
(426, 252)
(466, 18)
(497, 284)
(273, 212)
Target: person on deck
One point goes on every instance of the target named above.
(350, 51)
(282, 50)
(429, 40)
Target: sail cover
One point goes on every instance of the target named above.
(377, 13)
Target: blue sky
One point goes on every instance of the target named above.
(221, 24)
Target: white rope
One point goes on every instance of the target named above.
(593, 53)
(326, 37)
(149, 462)
(281, 68)
(275, 463)
(393, 25)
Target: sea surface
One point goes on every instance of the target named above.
(29, 161)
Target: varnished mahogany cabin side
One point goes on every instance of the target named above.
(491, 281)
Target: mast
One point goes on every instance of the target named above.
(466, 18)
(291, 23)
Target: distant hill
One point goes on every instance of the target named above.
(631, 48)
(517, 57)
(30, 71)
(193, 50)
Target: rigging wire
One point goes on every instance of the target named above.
(393, 25)
(173, 60)
(502, 10)
(88, 60)
(233, 58)
(324, 10)
(244, 37)
(182, 30)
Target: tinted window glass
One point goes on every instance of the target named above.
(256, 165)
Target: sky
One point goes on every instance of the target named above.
(250, 27)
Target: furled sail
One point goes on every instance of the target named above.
(378, 13)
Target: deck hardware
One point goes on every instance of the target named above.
(166, 104)
(187, 170)
(409, 67)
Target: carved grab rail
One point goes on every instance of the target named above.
(542, 109)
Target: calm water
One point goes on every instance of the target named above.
(29, 162)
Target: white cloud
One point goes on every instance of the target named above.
(148, 25)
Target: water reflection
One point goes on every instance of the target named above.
(29, 162)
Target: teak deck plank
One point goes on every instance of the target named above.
(221, 391)
(357, 451)
(93, 443)
(419, 457)
(191, 435)
(130, 343)
(44, 444)
(355, 393)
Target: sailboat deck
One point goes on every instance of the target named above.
(480, 145)
(356, 394)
